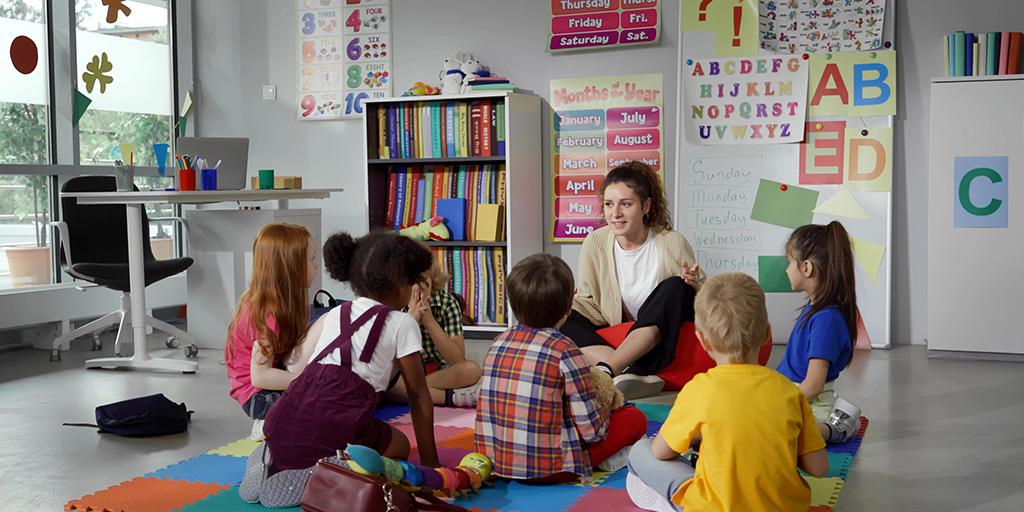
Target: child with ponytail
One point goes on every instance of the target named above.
(821, 344)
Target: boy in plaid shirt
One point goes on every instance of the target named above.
(453, 380)
(536, 415)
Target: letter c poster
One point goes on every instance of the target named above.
(598, 124)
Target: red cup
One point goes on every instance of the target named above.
(187, 179)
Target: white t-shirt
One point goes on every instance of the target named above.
(637, 271)
(399, 338)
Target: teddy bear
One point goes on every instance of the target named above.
(451, 76)
(472, 69)
(605, 393)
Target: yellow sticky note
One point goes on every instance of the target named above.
(842, 204)
(869, 254)
(734, 23)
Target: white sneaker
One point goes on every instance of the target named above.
(617, 461)
(466, 397)
(257, 431)
(645, 497)
(638, 386)
(844, 421)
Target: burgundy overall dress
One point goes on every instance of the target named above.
(328, 406)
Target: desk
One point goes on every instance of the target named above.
(134, 202)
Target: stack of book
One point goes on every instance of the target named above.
(441, 129)
(478, 275)
(491, 83)
(982, 54)
(415, 192)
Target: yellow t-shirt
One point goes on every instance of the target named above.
(754, 423)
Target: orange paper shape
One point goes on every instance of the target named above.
(863, 340)
(113, 6)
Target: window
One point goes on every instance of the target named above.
(25, 258)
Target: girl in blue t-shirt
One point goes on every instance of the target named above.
(821, 344)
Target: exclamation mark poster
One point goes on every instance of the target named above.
(734, 23)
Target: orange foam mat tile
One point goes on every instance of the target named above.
(144, 494)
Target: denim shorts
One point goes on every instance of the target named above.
(258, 405)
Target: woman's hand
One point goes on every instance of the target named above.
(692, 275)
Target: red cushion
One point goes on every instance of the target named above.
(690, 360)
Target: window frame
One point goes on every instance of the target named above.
(64, 149)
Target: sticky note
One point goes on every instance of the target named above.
(791, 208)
(771, 274)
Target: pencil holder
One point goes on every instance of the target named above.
(208, 178)
(187, 179)
(266, 179)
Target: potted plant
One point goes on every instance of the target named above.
(30, 265)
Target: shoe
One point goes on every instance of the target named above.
(617, 461)
(466, 397)
(844, 421)
(255, 474)
(635, 386)
(257, 431)
(643, 496)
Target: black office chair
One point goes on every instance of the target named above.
(94, 248)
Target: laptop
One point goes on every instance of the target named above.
(231, 152)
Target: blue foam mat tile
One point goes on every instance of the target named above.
(653, 427)
(516, 497)
(655, 412)
(389, 411)
(616, 480)
(213, 469)
(850, 447)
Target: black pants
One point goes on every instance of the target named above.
(668, 307)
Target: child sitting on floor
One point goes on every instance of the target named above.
(754, 427)
(537, 418)
(454, 381)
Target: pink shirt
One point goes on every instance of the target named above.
(242, 338)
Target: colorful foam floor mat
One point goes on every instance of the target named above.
(209, 481)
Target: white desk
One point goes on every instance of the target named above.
(134, 202)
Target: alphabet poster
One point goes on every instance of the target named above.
(852, 84)
(809, 26)
(758, 100)
(344, 56)
(597, 24)
(599, 123)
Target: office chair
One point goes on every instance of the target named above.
(94, 248)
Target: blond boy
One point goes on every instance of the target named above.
(754, 428)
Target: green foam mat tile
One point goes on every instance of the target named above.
(825, 491)
(228, 501)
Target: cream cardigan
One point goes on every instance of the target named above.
(597, 287)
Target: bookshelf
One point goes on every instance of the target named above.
(518, 169)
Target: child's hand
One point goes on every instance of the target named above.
(416, 303)
(692, 275)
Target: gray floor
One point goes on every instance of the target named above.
(944, 435)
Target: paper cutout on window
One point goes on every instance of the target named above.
(160, 152)
(24, 54)
(187, 104)
(182, 125)
(81, 104)
(783, 205)
(113, 6)
(842, 204)
(127, 153)
(96, 71)
(869, 254)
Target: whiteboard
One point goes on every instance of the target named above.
(715, 187)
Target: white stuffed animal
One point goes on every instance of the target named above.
(451, 76)
(470, 69)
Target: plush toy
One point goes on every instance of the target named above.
(605, 393)
(472, 69)
(451, 76)
(430, 229)
(421, 89)
(364, 460)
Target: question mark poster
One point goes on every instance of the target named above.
(734, 23)
(344, 56)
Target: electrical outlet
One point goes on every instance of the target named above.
(270, 92)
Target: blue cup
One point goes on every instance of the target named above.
(208, 178)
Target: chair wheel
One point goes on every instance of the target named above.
(192, 351)
(54, 356)
(172, 342)
(97, 343)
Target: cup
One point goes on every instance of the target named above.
(187, 179)
(208, 178)
(266, 179)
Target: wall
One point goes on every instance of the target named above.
(239, 49)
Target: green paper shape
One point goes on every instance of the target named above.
(81, 104)
(182, 124)
(789, 208)
(771, 273)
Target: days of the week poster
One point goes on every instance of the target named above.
(597, 24)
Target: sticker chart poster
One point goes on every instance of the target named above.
(598, 24)
(344, 55)
(809, 26)
(599, 123)
(729, 101)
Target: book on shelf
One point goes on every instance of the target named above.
(471, 198)
(983, 53)
(471, 127)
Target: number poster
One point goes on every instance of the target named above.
(344, 51)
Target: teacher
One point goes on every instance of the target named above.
(636, 267)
